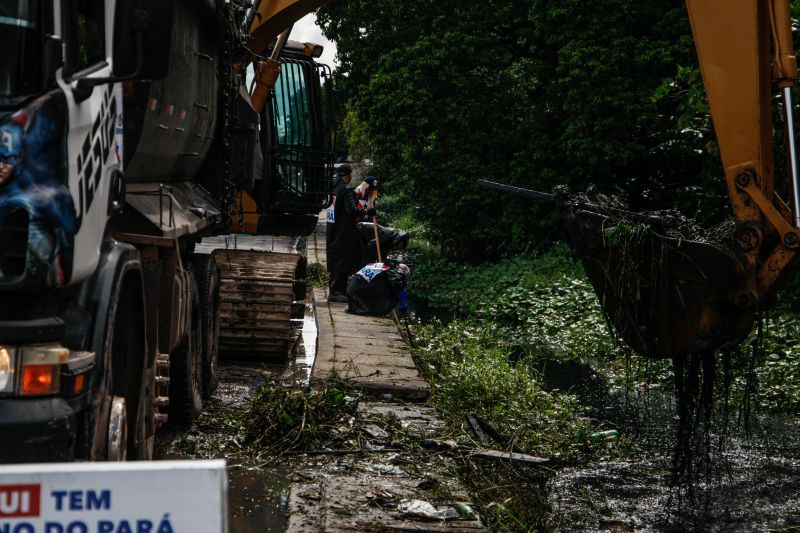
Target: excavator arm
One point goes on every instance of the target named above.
(271, 20)
(733, 39)
(670, 288)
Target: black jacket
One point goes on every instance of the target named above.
(378, 295)
(344, 246)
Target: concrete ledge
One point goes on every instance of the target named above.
(367, 352)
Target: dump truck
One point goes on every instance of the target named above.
(128, 133)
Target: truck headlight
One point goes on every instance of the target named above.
(6, 370)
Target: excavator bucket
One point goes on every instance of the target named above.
(664, 286)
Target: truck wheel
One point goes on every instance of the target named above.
(208, 278)
(186, 368)
(115, 428)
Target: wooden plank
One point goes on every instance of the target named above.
(255, 314)
(496, 455)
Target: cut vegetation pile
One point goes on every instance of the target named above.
(283, 419)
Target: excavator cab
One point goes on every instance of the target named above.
(296, 142)
(292, 95)
(296, 136)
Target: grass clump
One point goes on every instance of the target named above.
(284, 420)
(471, 371)
(317, 275)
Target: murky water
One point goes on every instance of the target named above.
(751, 484)
(258, 498)
(297, 371)
(257, 495)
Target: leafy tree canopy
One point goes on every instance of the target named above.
(529, 92)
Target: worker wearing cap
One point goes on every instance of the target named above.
(343, 243)
(366, 193)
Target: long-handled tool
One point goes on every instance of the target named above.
(373, 195)
(395, 317)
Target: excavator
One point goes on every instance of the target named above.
(669, 289)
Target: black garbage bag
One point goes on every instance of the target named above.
(390, 239)
(374, 289)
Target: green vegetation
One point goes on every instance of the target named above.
(531, 93)
(542, 302)
(317, 276)
(778, 374)
(471, 368)
(283, 419)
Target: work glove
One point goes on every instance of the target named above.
(371, 212)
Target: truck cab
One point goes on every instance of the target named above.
(126, 131)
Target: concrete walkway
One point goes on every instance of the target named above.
(381, 487)
(367, 352)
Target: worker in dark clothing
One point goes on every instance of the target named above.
(344, 253)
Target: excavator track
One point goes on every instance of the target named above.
(257, 289)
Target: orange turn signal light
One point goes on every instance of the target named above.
(80, 380)
(38, 380)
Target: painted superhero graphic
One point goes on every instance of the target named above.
(33, 182)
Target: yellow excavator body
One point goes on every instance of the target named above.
(258, 284)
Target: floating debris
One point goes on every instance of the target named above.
(423, 509)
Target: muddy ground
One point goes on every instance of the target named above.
(383, 457)
(258, 494)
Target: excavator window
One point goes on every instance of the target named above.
(292, 113)
(298, 156)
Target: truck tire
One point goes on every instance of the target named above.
(207, 275)
(186, 367)
(115, 429)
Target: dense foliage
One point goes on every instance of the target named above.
(543, 308)
(543, 302)
(531, 93)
